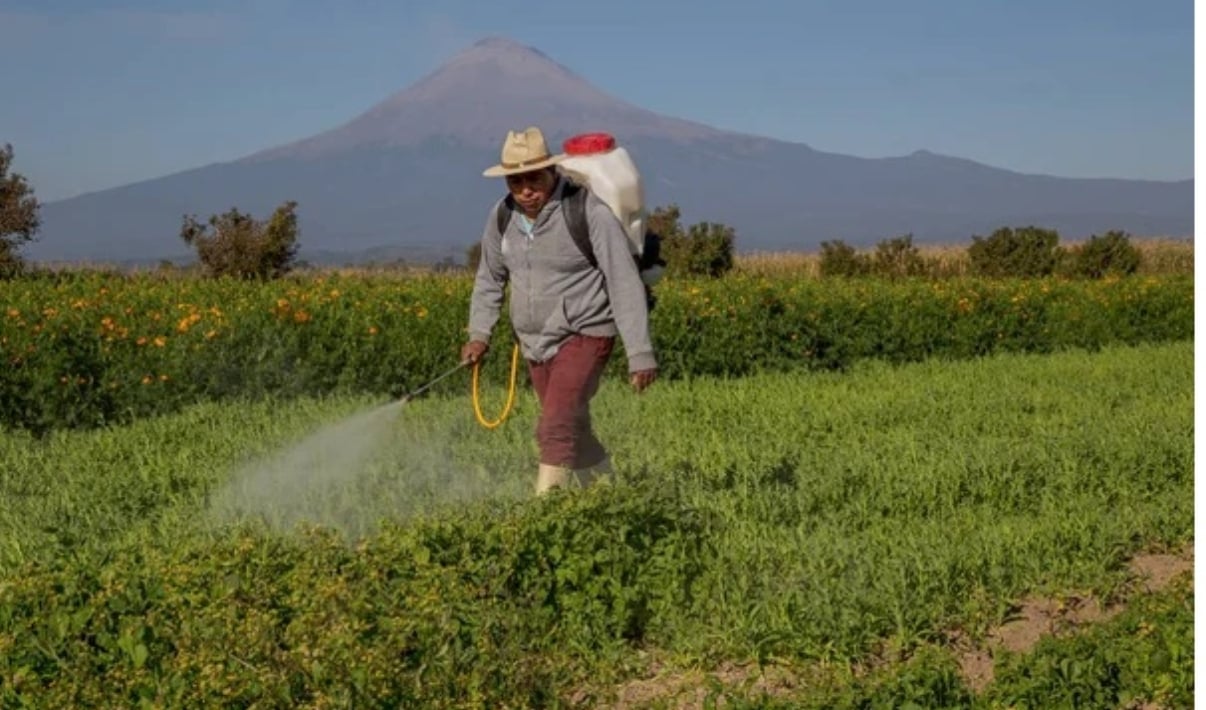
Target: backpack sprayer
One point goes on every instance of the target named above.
(594, 160)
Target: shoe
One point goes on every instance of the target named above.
(549, 477)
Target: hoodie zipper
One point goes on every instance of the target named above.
(528, 235)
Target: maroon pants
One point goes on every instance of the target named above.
(565, 385)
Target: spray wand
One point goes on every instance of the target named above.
(416, 393)
(477, 409)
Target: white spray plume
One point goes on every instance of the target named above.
(350, 475)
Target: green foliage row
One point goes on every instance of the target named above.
(450, 614)
(1142, 658)
(835, 520)
(1027, 252)
(736, 326)
(892, 258)
(87, 349)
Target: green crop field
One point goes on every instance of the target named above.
(88, 349)
(794, 537)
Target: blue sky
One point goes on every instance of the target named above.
(113, 92)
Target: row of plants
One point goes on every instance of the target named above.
(830, 522)
(1026, 252)
(533, 607)
(127, 635)
(1143, 658)
(86, 349)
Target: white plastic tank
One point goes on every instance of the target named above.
(594, 159)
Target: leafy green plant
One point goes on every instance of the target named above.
(706, 249)
(91, 349)
(840, 259)
(1108, 254)
(1025, 252)
(19, 218)
(241, 246)
(830, 521)
(1146, 655)
(897, 258)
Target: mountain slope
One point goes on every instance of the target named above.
(406, 175)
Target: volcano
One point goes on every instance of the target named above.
(403, 179)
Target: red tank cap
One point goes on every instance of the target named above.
(587, 143)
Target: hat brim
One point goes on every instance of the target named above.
(502, 171)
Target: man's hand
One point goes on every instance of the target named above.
(473, 351)
(642, 379)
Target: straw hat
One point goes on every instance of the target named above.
(523, 152)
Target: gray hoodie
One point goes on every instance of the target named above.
(555, 292)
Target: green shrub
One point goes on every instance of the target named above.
(841, 259)
(665, 222)
(88, 349)
(19, 215)
(473, 256)
(1025, 252)
(705, 250)
(12, 264)
(897, 258)
(243, 247)
(1111, 253)
(468, 612)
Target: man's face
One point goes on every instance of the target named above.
(532, 189)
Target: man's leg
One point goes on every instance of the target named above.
(548, 476)
(567, 384)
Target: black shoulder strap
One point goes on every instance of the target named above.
(503, 215)
(573, 202)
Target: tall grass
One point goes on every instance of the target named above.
(1158, 256)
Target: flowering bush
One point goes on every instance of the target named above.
(87, 349)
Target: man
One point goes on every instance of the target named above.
(565, 312)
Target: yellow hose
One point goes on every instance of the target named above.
(477, 407)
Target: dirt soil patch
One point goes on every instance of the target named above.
(1035, 618)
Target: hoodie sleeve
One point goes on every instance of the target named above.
(625, 289)
(491, 279)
